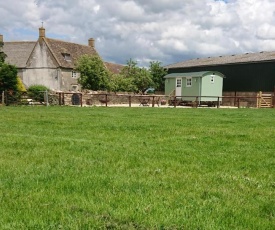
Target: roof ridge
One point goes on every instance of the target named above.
(59, 40)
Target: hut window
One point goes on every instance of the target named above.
(73, 74)
(178, 82)
(212, 79)
(188, 81)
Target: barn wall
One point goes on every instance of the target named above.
(241, 77)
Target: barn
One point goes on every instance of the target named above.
(249, 72)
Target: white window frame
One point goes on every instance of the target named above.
(179, 82)
(189, 82)
(74, 74)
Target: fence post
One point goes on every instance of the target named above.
(47, 97)
(81, 100)
(259, 99)
(218, 102)
(106, 98)
(3, 98)
(153, 102)
(130, 101)
(175, 102)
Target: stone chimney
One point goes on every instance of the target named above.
(91, 42)
(42, 32)
(1, 38)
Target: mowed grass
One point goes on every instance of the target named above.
(137, 168)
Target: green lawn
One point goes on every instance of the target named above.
(137, 168)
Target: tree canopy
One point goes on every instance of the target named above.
(8, 77)
(2, 54)
(93, 73)
(95, 76)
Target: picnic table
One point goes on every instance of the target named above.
(144, 101)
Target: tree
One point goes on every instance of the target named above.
(119, 82)
(8, 77)
(140, 77)
(93, 73)
(8, 73)
(143, 80)
(2, 54)
(157, 72)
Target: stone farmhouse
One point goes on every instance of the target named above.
(50, 62)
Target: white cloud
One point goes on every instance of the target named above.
(164, 30)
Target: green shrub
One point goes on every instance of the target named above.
(37, 92)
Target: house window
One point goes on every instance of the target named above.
(67, 57)
(188, 81)
(74, 87)
(73, 74)
(212, 79)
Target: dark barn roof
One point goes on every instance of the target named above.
(225, 60)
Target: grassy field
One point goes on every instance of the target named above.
(137, 168)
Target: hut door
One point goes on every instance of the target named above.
(178, 86)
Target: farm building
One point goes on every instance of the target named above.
(250, 72)
(50, 62)
(206, 85)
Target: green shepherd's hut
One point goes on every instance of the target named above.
(204, 87)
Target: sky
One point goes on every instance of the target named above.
(168, 31)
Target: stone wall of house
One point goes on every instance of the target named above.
(69, 80)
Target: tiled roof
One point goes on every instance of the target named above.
(18, 52)
(113, 67)
(61, 48)
(224, 60)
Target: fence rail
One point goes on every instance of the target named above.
(107, 99)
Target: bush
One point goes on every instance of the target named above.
(37, 92)
(20, 85)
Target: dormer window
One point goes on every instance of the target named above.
(67, 57)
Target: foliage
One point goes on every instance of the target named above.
(8, 77)
(120, 83)
(143, 80)
(93, 73)
(140, 77)
(2, 54)
(37, 92)
(136, 168)
(158, 72)
(20, 85)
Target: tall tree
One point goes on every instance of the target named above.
(140, 77)
(157, 72)
(93, 73)
(2, 54)
(8, 77)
